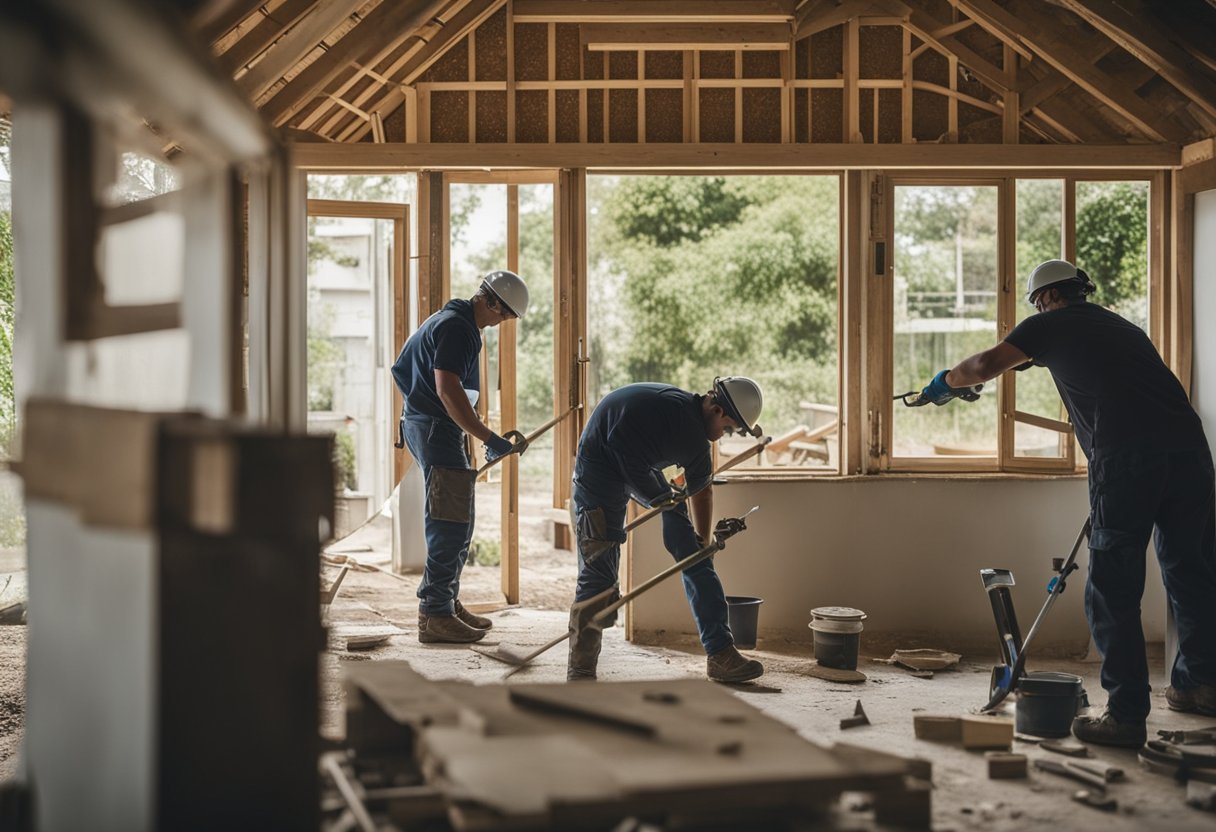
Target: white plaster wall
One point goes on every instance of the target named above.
(906, 550)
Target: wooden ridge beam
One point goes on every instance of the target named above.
(293, 47)
(730, 156)
(385, 28)
(682, 36)
(1139, 35)
(263, 34)
(649, 11)
(462, 23)
(1039, 31)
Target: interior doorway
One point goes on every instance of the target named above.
(358, 317)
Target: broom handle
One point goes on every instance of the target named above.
(540, 431)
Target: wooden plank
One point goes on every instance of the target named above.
(509, 409)
(511, 81)
(395, 157)
(325, 16)
(1137, 33)
(385, 28)
(647, 11)
(1160, 298)
(852, 70)
(265, 32)
(1012, 110)
(670, 37)
(1043, 34)
(225, 16)
(905, 98)
(1043, 422)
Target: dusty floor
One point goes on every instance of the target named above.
(963, 797)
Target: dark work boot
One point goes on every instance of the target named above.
(1104, 729)
(1197, 700)
(729, 665)
(446, 629)
(477, 622)
(587, 635)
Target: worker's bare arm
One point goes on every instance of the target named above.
(986, 365)
(456, 403)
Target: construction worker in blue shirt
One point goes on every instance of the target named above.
(438, 374)
(634, 433)
(1150, 474)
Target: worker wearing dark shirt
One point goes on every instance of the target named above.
(1150, 468)
(635, 432)
(438, 374)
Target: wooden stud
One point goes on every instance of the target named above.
(905, 99)
(411, 115)
(1160, 299)
(1006, 313)
(508, 408)
(1011, 120)
(472, 100)
(511, 73)
(738, 97)
(952, 101)
(787, 94)
(606, 123)
(552, 76)
(852, 70)
(851, 299)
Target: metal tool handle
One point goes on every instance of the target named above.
(912, 398)
(536, 434)
(1055, 588)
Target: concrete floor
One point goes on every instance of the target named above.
(963, 797)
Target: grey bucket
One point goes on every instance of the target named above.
(743, 615)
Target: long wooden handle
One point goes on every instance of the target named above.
(737, 459)
(540, 431)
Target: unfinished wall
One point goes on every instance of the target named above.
(1203, 378)
(906, 550)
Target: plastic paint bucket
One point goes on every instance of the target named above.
(743, 615)
(1047, 701)
(837, 633)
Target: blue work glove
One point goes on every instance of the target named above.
(496, 446)
(937, 391)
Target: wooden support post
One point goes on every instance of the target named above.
(472, 114)
(787, 95)
(508, 408)
(905, 100)
(952, 101)
(570, 327)
(641, 98)
(1160, 300)
(511, 72)
(851, 294)
(432, 243)
(552, 76)
(852, 69)
(1011, 120)
(738, 97)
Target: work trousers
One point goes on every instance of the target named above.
(437, 445)
(599, 530)
(1134, 494)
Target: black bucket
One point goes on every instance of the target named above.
(743, 615)
(1047, 702)
(837, 633)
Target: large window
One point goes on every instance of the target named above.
(963, 249)
(692, 277)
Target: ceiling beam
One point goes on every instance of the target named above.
(265, 32)
(384, 28)
(599, 37)
(820, 156)
(289, 50)
(649, 11)
(1041, 33)
(1139, 35)
(453, 31)
(216, 18)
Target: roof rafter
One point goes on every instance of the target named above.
(385, 28)
(269, 29)
(1139, 35)
(293, 47)
(217, 18)
(994, 27)
(923, 24)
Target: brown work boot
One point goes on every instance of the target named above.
(1104, 729)
(587, 635)
(477, 622)
(446, 629)
(729, 665)
(1197, 700)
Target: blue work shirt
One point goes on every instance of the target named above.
(635, 432)
(448, 340)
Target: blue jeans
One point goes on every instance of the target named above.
(1132, 494)
(437, 445)
(600, 532)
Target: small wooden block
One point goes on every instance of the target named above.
(1005, 766)
(938, 728)
(987, 732)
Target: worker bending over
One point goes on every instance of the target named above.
(635, 432)
(1149, 467)
(438, 374)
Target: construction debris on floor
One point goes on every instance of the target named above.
(682, 753)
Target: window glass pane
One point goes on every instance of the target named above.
(692, 277)
(1112, 245)
(1040, 224)
(946, 271)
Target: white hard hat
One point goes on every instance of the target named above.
(1051, 272)
(509, 288)
(742, 400)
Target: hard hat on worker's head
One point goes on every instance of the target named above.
(1053, 272)
(741, 399)
(509, 288)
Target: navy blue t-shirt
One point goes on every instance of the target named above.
(634, 433)
(448, 340)
(1117, 390)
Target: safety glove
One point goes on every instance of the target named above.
(938, 392)
(727, 528)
